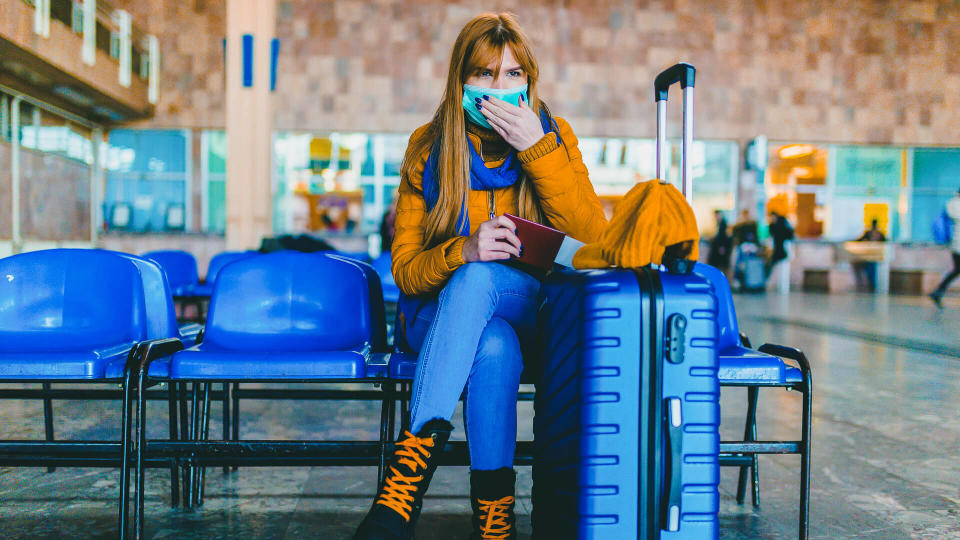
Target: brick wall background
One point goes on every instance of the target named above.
(865, 71)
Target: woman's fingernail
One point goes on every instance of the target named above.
(479, 108)
(486, 97)
(477, 100)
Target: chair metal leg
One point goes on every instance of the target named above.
(405, 407)
(194, 431)
(226, 418)
(236, 414)
(185, 435)
(392, 417)
(48, 420)
(753, 394)
(204, 435)
(805, 457)
(806, 388)
(125, 455)
(174, 435)
(141, 443)
(386, 412)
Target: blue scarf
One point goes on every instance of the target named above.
(481, 176)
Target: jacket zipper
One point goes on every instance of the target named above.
(491, 206)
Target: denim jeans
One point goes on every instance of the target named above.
(469, 340)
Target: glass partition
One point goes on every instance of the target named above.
(616, 165)
(834, 191)
(936, 178)
(147, 179)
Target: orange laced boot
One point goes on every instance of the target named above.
(492, 498)
(397, 505)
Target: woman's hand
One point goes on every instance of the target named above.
(519, 126)
(494, 240)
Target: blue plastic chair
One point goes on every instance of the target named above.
(67, 314)
(376, 364)
(361, 256)
(216, 264)
(180, 267)
(739, 365)
(181, 270)
(73, 315)
(276, 318)
(382, 264)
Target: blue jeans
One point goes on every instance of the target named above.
(468, 340)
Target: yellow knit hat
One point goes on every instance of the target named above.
(651, 216)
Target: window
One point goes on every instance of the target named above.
(4, 117)
(148, 170)
(114, 45)
(77, 19)
(214, 145)
(62, 10)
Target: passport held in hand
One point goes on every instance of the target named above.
(540, 244)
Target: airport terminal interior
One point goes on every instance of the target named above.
(204, 146)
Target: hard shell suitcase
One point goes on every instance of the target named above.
(627, 407)
(751, 274)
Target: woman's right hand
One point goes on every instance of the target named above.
(494, 240)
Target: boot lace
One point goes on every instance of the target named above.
(495, 525)
(398, 489)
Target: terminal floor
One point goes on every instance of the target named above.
(885, 464)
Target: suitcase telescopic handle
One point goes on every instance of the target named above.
(685, 74)
(670, 519)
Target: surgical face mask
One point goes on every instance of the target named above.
(470, 93)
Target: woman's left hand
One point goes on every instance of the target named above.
(519, 126)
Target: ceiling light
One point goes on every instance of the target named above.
(793, 151)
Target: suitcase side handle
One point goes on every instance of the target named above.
(673, 480)
(685, 74)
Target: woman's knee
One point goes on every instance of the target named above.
(473, 275)
(500, 347)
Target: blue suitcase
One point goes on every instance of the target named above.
(627, 404)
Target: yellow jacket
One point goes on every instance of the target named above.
(560, 180)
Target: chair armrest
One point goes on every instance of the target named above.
(148, 351)
(789, 353)
(745, 341)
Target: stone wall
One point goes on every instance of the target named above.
(191, 35)
(822, 70)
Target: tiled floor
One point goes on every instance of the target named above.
(886, 446)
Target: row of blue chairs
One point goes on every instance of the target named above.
(182, 274)
(97, 316)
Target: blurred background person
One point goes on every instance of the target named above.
(865, 272)
(387, 227)
(745, 229)
(721, 246)
(781, 232)
(953, 212)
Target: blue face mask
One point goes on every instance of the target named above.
(470, 93)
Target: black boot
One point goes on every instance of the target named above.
(492, 498)
(397, 505)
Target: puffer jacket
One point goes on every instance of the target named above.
(560, 182)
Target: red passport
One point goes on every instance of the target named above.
(540, 243)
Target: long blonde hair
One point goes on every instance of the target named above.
(480, 43)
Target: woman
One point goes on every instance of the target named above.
(491, 148)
